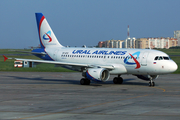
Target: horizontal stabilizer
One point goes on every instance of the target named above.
(5, 58)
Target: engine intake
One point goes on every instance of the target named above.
(97, 74)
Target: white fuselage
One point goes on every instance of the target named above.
(120, 59)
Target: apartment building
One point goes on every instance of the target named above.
(130, 42)
(111, 44)
(142, 43)
(177, 36)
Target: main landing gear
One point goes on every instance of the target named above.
(85, 81)
(118, 80)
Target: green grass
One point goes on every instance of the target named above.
(171, 51)
(9, 64)
(10, 51)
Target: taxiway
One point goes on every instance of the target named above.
(49, 95)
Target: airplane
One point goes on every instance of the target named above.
(97, 64)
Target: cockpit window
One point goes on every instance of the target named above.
(166, 58)
(156, 58)
(160, 58)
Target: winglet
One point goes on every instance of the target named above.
(5, 58)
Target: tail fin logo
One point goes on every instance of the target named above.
(135, 60)
(47, 36)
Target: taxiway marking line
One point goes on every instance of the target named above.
(160, 89)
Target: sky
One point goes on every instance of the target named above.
(86, 22)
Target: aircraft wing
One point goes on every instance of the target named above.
(62, 63)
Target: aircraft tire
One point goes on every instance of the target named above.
(118, 80)
(115, 80)
(88, 82)
(151, 84)
(84, 81)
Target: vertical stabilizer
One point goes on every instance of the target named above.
(46, 36)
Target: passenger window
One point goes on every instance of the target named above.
(156, 58)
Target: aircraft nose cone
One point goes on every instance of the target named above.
(173, 67)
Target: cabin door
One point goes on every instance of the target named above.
(144, 59)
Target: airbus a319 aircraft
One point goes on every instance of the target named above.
(97, 64)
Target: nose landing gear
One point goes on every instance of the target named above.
(151, 83)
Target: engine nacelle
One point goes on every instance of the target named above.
(147, 77)
(97, 74)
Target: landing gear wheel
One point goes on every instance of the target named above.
(151, 84)
(115, 80)
(88, 82)
(118, 80)
(84, 81)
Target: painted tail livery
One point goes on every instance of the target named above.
(46, 35)
(97, 64)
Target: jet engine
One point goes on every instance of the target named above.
(147, 77)
(97, 74)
